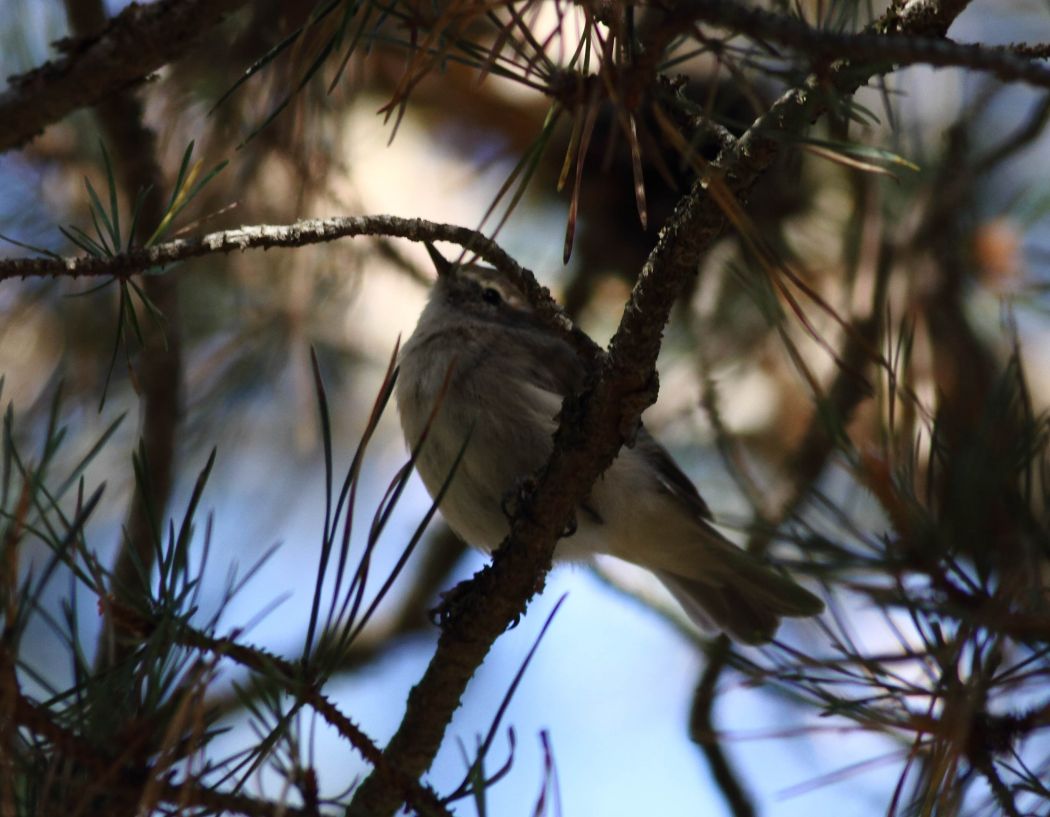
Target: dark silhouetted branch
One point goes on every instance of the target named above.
(137, 42)
(159, 366)
(884, 48)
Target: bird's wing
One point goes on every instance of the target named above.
(671, 478)
(553, 365)
(557, 370)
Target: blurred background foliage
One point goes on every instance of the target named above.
(857, 379)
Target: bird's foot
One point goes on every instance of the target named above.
(450, 603)
(515, 498)
(456, 601)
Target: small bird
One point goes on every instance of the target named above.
(494, 377)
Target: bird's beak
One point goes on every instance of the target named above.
(441, 264)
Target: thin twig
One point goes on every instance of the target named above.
(703, 733)
(1028, 133)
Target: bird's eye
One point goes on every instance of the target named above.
(491, 296)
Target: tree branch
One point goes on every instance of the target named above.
(893, 50)
(411, 790)
(924, 18)
(301, 233)
(137, 42)
(703, 733)
(160, 363)
(592, 429)
(263, 236)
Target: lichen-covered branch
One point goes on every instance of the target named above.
(261, 236)
(299, 234)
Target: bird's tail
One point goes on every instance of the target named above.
(747, 599)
